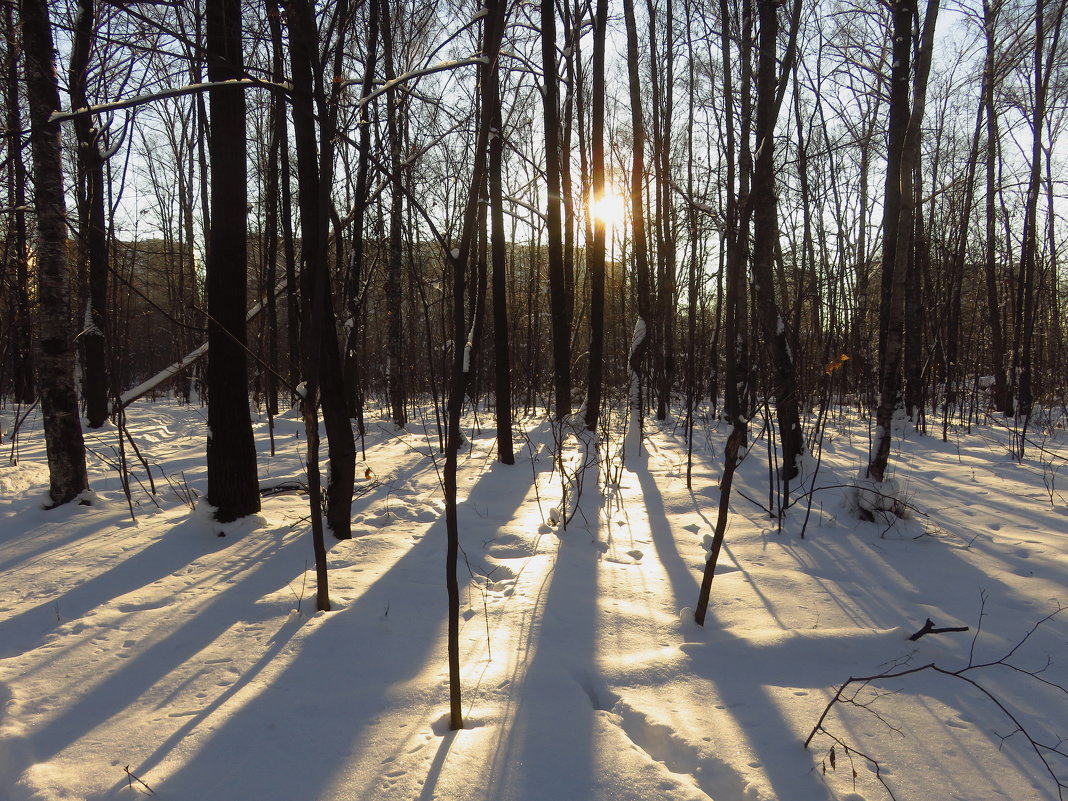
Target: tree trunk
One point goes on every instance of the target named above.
(22, 381)
(395, 368)
(313, 274)
(661, 80)
(92, 233)
(355, 279)
(595, 252)
(233, 488)
(993, 300)
(561, 325)
(1029, 266)
(59, 400)
(491, 105)
(890, 377)
(642, 326)
(736, 234)
(765, 236)
(321, 358)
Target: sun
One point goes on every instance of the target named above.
(610, 208)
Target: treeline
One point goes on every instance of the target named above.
(409, 190)
(816, 202)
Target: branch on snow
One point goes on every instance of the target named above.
(929, 628)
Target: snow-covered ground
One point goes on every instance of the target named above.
(152, 655)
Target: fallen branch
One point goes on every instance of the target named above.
(929, 628)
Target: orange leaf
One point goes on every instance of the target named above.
(835, 363)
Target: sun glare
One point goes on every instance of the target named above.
(610, 208)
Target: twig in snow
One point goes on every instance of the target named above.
(131, 778)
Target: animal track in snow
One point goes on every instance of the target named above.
(713, 776)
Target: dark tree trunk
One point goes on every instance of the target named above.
(313, 275)
(903, 13)
(595, 253)
(280, 127)
(736, 233)
(661, 80)
(893, 323)
(59, 400)
(22, 381)
(765, 236)
(355, 278)
(643, 326)
(1029, 265)
(233, 487)
(691, 272)
(460, 258)
(321, 359)
(735, 244)
(993, 299)
(275, 157)
(395, 370)
(558, 305)
(491, 105)
(92, 233)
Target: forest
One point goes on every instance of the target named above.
(721, 236)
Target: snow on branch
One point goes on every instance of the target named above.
(443, 66)
(130, 395)
(698, 205)
(524, 205)
(176, 91)
(142, 389)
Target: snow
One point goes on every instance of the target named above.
(419, 73)
(638, 335)
(151, 653)
(175, 91)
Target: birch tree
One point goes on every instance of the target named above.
(68, 477)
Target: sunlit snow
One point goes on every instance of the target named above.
(150, 654)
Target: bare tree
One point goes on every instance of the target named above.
(395, 373)
(906, 157)
(233, 487)
(561, 324)
(68, 478)
(93, 237)
(502, 359)
(765, 232)
(16, 245)
(595, 250)
(643, 285)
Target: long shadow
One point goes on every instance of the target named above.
(122, 687)
(684, 584)
(547, 753)
(873, 576)
(307, 720)
(877, 583)
(742, 692)
(26, 545)
(277, 644)
(312, 719)
(170, 552)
